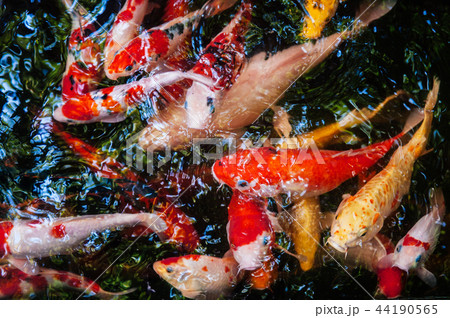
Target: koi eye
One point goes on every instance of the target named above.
(242, 184)
(169, 269)
(266, 240)
(399, 248)
(418, 258)
(362, 232)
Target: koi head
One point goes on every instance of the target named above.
(180, 275)
(410, 253)
(251, 256)
(198, 276)
(355, 223)
(246, 171)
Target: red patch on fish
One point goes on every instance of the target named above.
(80, 108)
(411, 241)
(247, 219)
(5, 230)
(141, 50)
(175, 9)
(204, 268)
(124, 16)
(180, 229)
(391, 281)
(227, 269)
(59, 231)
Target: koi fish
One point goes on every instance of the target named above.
(125, 28)
(361, 216)
(179, 227)
(16, 284)
(110, 104)
(303, 227)
(84, 61)
(220, 63)
(153, 45)
(413, 250)
(21, 240)
(268, 172)
(200, 276)
(249, 231)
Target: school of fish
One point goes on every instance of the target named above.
(216, 96)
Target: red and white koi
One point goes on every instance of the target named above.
(154, 45)
(21, 240)
(16, 284)
(413, 250)
(220, 63)
(110, 104)
(249, 230)
(200, 276)
(361, 216)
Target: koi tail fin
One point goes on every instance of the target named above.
(102, 294)
(413, 120)
(214, 7)
(432, 95)
(438, 204)
(418, 142)
(371, 10)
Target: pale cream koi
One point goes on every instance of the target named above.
(361, 216)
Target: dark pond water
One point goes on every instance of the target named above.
(403, 50)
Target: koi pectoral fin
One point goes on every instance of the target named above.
(426, 276)
(26, 265)
(300, 258)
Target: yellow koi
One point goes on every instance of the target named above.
(304, 223)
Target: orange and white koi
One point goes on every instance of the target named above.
(16, 284)
(361, 216)
(302, 221)
(413, 250)
(154, 45)
(200, 276)
(249, 231)
(21, 240)
(268, 172)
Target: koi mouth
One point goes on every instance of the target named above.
(336, 245)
